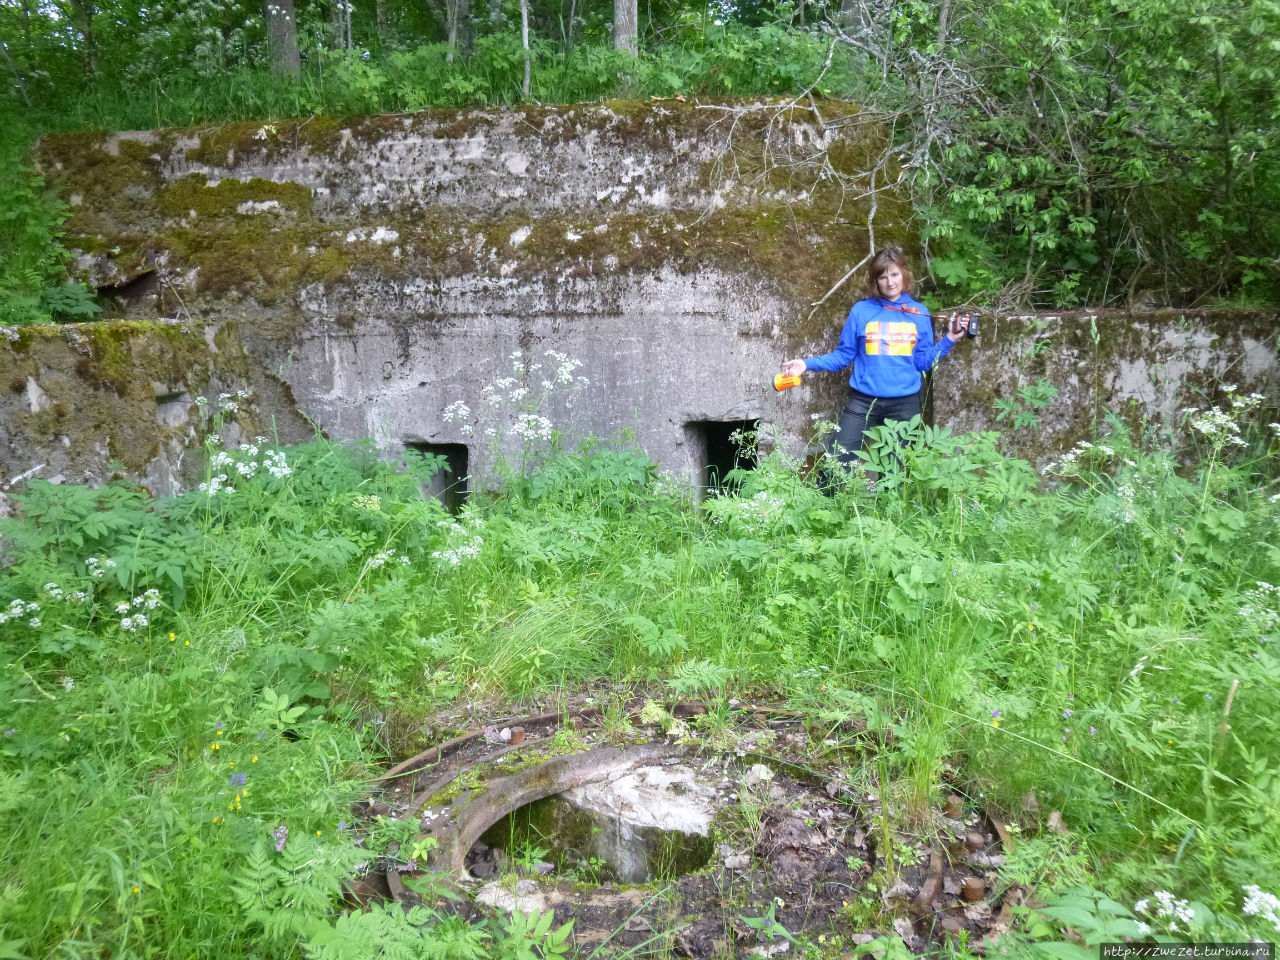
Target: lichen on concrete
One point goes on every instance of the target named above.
(369, 271)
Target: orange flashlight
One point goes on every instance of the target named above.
(783, 381)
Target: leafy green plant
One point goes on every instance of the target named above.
(1023, 409)
(33, 279)
(767, 927)
(530, 936)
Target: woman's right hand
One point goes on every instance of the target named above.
(794, 367)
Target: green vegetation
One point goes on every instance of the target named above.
(1110, 151)
(196, 688)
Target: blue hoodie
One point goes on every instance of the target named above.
(889, 343)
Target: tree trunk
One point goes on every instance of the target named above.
(17, 74)
(82, 12)
(282, 38)
(626, 26)
(524, 38)
(458, 25)
(568, 36)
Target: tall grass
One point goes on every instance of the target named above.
(1078, 635)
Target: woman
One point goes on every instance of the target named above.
(889, 340)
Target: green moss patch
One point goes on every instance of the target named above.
(192, 193)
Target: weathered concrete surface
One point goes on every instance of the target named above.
(372, 272)
(366, 274)
(1145, 367)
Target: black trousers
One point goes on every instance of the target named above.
(862, 413)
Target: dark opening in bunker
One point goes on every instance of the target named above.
(719, 447)
(553, 836)
(449, 483)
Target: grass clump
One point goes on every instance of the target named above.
(197, 687)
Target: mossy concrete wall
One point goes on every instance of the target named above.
(368, 272)
(363, 274)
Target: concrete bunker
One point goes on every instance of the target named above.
(361, 275)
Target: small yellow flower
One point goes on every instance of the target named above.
(172, 636)
(136, 890)
(317, 833)
(187, 643)
(255, 759)
(216, 819)
(231, 763)
(215, 746)
(231, 806)
(995, 723)
(218, 734)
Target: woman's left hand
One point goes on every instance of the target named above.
(956, 328)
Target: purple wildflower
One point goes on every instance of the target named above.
(280, 834)
(1065, 714)
(262, 735)
(996, 714)
(1093, 731)
(11, 731)
(237, 779)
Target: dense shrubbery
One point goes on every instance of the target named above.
(186, 676)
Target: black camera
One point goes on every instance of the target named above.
(971, 331)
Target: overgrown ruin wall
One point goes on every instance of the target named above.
(362, 275)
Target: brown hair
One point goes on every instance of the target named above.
(881, 262)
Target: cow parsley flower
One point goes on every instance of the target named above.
(1259, 903)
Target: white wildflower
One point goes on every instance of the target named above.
(456, 412)
(276, 464)
(1259, 903)
(68, 683)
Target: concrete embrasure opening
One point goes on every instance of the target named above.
(788, 834)
(449, 484)
(719, 447)
(172, 407)
(635, 827)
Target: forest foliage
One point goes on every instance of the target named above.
(1095, 151)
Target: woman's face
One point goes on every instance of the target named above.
(890, 282)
